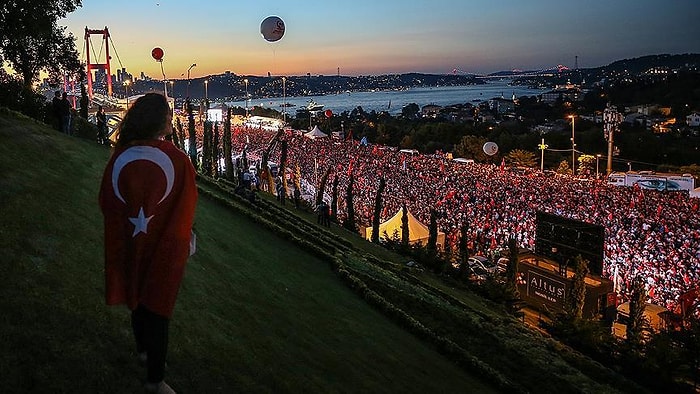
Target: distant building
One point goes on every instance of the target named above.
(649, 109)
(430, 110)
(568, 92)
(693, 120)
(502, 105)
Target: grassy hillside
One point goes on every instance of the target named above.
(256, 313)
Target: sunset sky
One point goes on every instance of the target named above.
(364, 37)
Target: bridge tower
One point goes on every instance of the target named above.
(98, 66)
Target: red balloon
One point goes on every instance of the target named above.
(157, 53)
(329, 113)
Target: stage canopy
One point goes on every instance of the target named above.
(417, 231)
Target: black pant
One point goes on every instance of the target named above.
(151, 334)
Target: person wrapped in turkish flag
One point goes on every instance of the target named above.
(148, 197)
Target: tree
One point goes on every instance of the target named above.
(228, 160)
(405, 234)
(512, 295)
(84, 101)
(192, 133)
(322, 186)
(350, 221)
(216, 152)
(31, 40)
(206, 149)
(637, 321)
(472, 147)
(282, 170)
(521, 158)
(586, 164)
(564, 168)
(577, 293)
(463, 243)
(409, 111)
(377, 211)
(334, 199)
(512, 269)
(432, 231)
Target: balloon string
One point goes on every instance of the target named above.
(161, 69)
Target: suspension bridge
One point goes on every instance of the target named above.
(515, 73)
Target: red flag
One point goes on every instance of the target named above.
(148, 197)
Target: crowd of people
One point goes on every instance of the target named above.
(649, 233)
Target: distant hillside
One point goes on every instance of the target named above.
(642, 64)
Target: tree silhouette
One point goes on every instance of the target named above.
(432, 231)
(228, 160)
(405, 232)
(377, 211)
(637, 322)
(577, 293)
(350, 221)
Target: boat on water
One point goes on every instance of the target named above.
(311, 106)
(287, 105)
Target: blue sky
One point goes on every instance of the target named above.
(384, 36)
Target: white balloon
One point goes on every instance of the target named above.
(272, 28)
(490, 148)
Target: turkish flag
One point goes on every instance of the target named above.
(148, 197)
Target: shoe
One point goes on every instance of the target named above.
(159, 388)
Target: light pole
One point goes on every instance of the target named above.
(126, 88)
(206, 90)
(246, 96)
(597, 157)
(573, 147)
(542, 147)
(188, 78)
(172, 88)
(284, 100)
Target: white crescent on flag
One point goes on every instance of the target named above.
(148, 153)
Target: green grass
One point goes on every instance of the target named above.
(255, 313)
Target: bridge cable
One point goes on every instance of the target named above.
(115, 52)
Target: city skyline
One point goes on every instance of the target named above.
(363, 37)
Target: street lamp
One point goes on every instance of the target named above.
(573, 147)
(246, 96)
(597, 157)
(542, 146)
(188, 78)
(284, 100)
(172, 88)
(126, 88)
(206, 91)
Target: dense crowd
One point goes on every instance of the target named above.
(649, 233)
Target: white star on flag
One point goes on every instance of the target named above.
(140, 223)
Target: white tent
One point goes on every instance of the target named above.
(695, 193)
(316, 133)
(417, 231)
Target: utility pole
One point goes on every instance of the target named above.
(611, 124)
(542, 147)
(573, 147)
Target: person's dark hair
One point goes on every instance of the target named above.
(146, 118)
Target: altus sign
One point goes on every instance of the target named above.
(546, 288)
